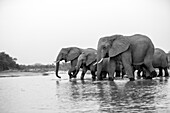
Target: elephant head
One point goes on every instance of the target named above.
(110, 46)
(87, 57)
(67, 54)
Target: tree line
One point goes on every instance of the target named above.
(9, 63)
(43, 68)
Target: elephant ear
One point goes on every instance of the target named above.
(91, 57)
(119, 45)
(73, 53)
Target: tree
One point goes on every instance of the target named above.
(7, 62)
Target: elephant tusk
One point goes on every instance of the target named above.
(56, 61)
(94, 63)
(100, 60)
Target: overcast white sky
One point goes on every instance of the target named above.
(34, 31)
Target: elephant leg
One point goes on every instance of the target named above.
(117, 73)
(139, 70)
(127, 61)
(160, 72)
(99, 70)
(166, 72)
(138, 74)
(93, 75)
(111, 70)
(104, 74)
(71, 72)
(123, 73)
(83, 73)
(93, 71)
(149, 67)
(144, 73)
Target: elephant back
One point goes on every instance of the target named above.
(91, 55)
(73, 53)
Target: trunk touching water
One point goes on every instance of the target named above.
(99, 64)
(59, 58)
(57, 68)
(79, 63)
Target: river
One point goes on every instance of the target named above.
(48, 94)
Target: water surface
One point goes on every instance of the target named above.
(47, 94)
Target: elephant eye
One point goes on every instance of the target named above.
(104, 47)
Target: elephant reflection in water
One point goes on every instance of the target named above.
(69, 54)
(113, 95)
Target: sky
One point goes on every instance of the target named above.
(34, 31)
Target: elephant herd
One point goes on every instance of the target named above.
(116, 54)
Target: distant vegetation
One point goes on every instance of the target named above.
(9, 63)
(43, 68)
(37, 67)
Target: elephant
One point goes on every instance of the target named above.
(119, 70)
(160, 61)
(130, 50)
(68, 54)
(86, 60)
(106, 68)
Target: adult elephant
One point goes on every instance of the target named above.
(68, 54)
(86, 61)
(131, 50)
(160, 61)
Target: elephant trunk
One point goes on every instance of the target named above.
(57, 68)
(77, 67)
(76, 72)
(99, 67)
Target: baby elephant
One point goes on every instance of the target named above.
(86, 61)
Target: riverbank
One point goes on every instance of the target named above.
(20, 73)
